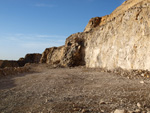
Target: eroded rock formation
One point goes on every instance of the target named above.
(7, 63)
(74, 51)
(52, 55)
(29, 58)
(121, 39)
(94, 22)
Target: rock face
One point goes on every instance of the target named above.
(7, 63)
(29, 58)
(72, 54)
(121, 39)
(52, 55)
(94, 22)
(74, 50)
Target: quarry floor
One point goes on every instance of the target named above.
(72, 90)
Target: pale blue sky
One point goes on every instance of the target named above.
(30, 26)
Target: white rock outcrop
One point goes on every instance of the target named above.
(121, 39)
(124, 40)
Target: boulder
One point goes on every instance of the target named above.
(120, 111)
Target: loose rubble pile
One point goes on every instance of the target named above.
(126, 111)
(130, 74)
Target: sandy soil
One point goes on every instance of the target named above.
(72, 90)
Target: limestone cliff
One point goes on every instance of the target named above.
(124, 40)
(121, 39)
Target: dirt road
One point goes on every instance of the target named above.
(72, 90)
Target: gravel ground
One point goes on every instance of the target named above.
(73, 90)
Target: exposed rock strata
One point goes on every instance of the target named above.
(121, 39)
